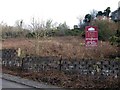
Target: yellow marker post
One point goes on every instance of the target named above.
(97, 68)
(19, 52)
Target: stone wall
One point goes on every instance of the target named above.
(84, 67)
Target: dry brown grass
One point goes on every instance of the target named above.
(61, 79)
(67, 47)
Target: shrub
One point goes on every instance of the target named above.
(30, 35)
(73, 32)
(106, 29)
(115, 40)
(13, 32)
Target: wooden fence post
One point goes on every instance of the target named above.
(60, 63)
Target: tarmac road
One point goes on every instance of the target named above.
(10, 84)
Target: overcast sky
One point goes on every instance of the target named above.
(57, 10)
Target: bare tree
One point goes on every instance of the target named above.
(93, 13)
(80, 21)
(41, 28)
(48, 24)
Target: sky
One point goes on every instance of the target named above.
(57, 10)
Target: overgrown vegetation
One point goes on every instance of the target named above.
(106, 30)
(47, 39)
(65, 80)
(13, 32)
(66, 46)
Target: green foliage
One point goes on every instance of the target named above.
(30, 35)
(115, 40)
(88, 18)
(68, 32)
(73, 32)
(106, 29)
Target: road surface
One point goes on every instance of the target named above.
(9, 84)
